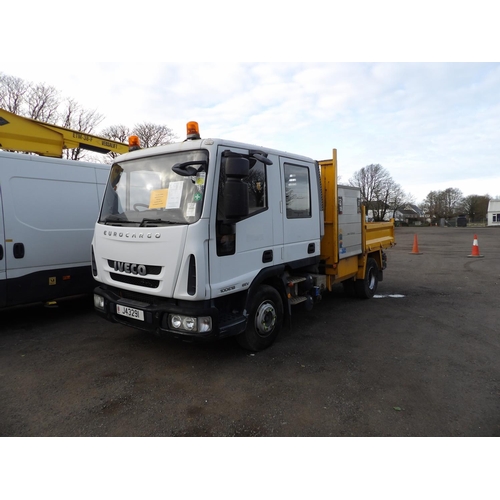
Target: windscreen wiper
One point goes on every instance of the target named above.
(117, 218)
(156, 222)
(146, 221)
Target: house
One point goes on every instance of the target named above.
(410, 214)
(407, 214)
(493, 214)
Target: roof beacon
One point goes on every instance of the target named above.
(134, 143)
(193, 131)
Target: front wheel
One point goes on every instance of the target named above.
(367, 287)
(264, 321)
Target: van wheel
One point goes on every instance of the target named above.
(367, 287)
(264, 321)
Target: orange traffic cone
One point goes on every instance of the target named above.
(475, 248)
(415, 246)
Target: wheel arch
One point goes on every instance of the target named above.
(272, 276)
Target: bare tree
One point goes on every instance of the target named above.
(12, 93)
(432, 205)
(379, 192)
(42, 102)
(152, 135)
(119, 133)
(443, 204)
(75, 117)
(452, 201)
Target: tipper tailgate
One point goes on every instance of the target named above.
(379, 235)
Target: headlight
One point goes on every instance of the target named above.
(175, 322)
(189, 323)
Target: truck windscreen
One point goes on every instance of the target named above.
(150, 192)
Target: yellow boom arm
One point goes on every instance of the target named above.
(18, 133)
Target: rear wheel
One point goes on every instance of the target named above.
(264, 321)
(367, 287)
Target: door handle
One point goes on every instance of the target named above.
(18, 250)
(267, 256)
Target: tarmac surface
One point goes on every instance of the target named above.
(420, 359)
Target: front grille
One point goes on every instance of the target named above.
(118, 266)
(133, 280)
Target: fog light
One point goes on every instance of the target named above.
(189, 324)
(175, 322)
(98, 302)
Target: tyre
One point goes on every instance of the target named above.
(264, 321)
(367, 287)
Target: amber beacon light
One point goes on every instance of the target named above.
(193, 131)
(134, 143)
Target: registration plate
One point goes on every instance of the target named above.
(130, 312)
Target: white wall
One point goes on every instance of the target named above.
(494, 212)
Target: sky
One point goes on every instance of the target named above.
(431, 124)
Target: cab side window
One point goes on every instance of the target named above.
(297, 192)
(257, 188)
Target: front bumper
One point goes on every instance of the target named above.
(157, 310)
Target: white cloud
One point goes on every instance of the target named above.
(431, 125)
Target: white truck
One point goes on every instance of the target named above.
(211, 238)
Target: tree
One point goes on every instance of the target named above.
(476, 206)
(74, 117)
(443, 204)
(432, 205)
(12, 91)
(150, 135)
(379, 192)
(119, 133)
(42, 103)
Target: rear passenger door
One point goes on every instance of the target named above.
(301, 223)
(3, 274)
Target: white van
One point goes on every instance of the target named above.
(48, 208)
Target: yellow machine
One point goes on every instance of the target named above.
(18, 133)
